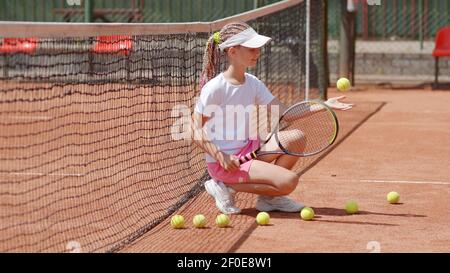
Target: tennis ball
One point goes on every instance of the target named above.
(177, 221)
(307, 213)
(263, 218)
(222, 220)
(199, 221)
(343, 84)
(351, 207)
(393, 197)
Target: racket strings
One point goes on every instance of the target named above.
(303, 130)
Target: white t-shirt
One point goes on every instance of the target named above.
(231, 108)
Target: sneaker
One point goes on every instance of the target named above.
(224, 198)
(280, 203)
(232, 192)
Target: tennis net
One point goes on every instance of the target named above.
(87, 158)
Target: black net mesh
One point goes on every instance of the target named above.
(88, 157)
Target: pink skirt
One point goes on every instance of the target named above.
(240, 176)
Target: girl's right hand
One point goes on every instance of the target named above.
(229, 163)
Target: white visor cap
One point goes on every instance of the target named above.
(248, 38)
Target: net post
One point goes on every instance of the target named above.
(308, 8)
(88, 8)
(324, 39)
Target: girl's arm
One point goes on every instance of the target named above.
(228, 162)
(333, 103)
(274, 105)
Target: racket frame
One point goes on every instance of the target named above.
(254, 154)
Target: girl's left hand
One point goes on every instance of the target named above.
(335, 104)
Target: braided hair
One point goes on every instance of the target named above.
(211, 55)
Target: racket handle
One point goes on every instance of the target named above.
(247, 157)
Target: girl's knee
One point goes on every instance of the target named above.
(289, 183)
(295, 142)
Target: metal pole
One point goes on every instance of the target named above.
(255, 4)
(421, 23)
(88, 8)
(343, 43)
(351, 28)
(308, 7)
(326, 80)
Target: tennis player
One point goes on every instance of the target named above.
(270, 176)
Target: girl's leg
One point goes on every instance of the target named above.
(283, 160)
(271, 179)
(271, 183)
(268, 179)
(224, 199)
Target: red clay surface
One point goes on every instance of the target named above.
(391, 141)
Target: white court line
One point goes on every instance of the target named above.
(423, 182)
(50, 174)
(405, 182)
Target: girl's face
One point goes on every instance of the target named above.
(244, 56)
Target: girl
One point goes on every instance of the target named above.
(223, 143)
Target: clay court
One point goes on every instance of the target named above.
(89, 161)
(393, 140)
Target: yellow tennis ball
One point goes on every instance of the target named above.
(222, 220)
(307, 213)
(263, 218)
(343, 84)
(351, 207)
(199, 221)
(177, 221)
(393, 197)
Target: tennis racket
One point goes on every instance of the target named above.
(304, 129)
